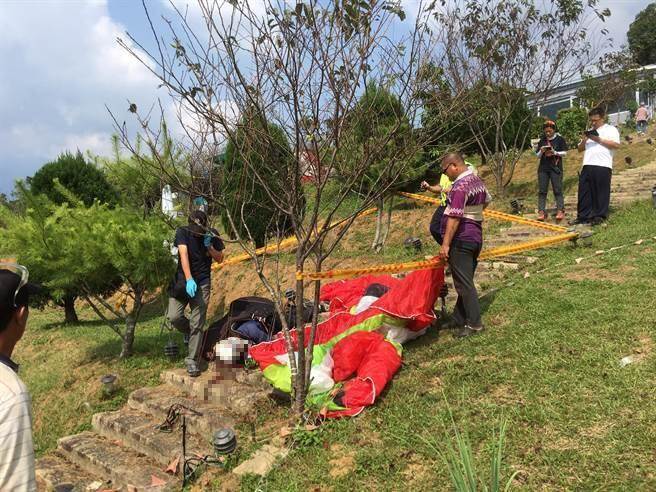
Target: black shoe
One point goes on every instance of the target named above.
(597, 221)
(578, 221)
(193, 370)
(467, 330)
(449, 324)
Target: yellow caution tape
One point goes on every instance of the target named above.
(421, 198)
(276, 247)
(435, 262)
(493, 214)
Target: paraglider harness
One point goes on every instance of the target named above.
(252, 308)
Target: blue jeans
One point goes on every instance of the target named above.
(641, 126)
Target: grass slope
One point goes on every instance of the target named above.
(62, 366)
(549, 362)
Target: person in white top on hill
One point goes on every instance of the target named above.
(599, 144)
(16, 448)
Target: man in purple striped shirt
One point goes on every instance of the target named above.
(462, 230)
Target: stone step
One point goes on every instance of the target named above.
(56, 473)
(157, 400)
(496, 265)
(139, 432)
(231, 389)
(125, 467)
(626, 187)
(630, 195)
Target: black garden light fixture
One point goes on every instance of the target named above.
(413, 243)
(108, 382)
(171, 349)
(224, 441)
(517, 206)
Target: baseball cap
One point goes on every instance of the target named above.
(15, 290)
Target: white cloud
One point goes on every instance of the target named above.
(61, 66)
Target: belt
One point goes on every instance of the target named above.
(473, 212)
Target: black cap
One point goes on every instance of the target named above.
(9, 282)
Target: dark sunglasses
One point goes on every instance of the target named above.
(447, 166)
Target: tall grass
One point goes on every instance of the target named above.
(459, 458)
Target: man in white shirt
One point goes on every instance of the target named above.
(599, 144)
(16, 448)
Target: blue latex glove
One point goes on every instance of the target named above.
(191, 287)
(207, 240)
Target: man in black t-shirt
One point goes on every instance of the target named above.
(197, 246)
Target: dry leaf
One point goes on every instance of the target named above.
(578, 260)
(173, 466)
(639, 241)
(311, 427)
(156, 482)
(285, 431)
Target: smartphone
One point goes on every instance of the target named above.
(591, 133)
(546, 148)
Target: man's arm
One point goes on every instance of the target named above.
(183, 253)
(215, 254)
(609, 144)
(581, 146)
(433, 189)
(452, 224)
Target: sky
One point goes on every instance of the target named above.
(62, 68)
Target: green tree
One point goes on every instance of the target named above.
(496, 54)
(98, 250)
(571, 123)
(251, 202)
(33, 236)
(477, 126)
(613, 82)
(74, 173)
(140, 177)
(378, 130)
(642, 36)
(85, 182)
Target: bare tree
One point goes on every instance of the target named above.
(302, 70)
(611, 80)
(501, 52)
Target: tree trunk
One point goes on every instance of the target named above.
(299, 384)
(388, 222)
(70, 316)
(377, 245)
(130, 326)
(128, 337)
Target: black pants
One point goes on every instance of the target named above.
(436, 223)
(463, 259)
(553, 175)
(594, 193)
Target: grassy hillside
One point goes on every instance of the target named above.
(549, 362)
(524, 183)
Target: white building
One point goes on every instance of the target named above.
(565, 97)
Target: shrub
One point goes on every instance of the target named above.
(571, 123)
(249, 198)
(82, 179)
